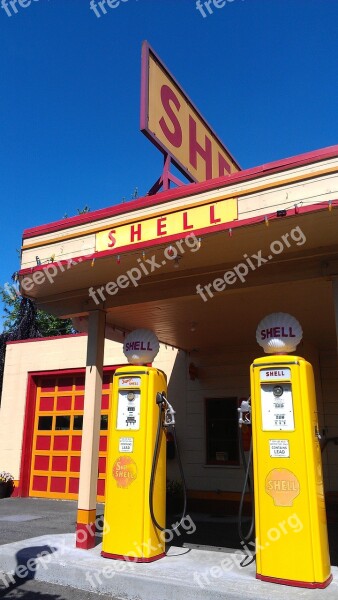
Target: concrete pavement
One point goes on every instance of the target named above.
(182, 575)
(32, 589)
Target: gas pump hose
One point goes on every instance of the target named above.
(153, 473)
(247, 483)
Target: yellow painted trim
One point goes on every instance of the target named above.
(163, 212)
(86, 516)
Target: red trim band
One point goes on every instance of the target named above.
(295, 583)
(133, 559)
(27, 438)
(43, 339)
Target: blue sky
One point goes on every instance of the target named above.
(264, 74)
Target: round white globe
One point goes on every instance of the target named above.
(279, 333)
(141, 346)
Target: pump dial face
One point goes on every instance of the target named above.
(278, 390)
(131, 396)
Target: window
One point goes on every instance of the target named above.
(45, 423)
(78, 423)
(221, 431)
(62, 423)
(104, 423)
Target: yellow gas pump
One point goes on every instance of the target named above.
(135, 511)
(291, 529)
(129, 532)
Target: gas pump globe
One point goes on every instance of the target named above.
(288, 480)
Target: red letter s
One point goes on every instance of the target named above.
(112, 238)
(167, 96)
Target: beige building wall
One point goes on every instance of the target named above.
(48, 355)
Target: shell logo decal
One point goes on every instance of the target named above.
(283, 487)
(124, 471)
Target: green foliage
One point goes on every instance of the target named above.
(80, 211)
(84, 210)
(10, 298)
(22, 321)
(46, 324)
(49, 325)
(133, 196)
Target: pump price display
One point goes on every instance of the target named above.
(277, 407)
(129, 409)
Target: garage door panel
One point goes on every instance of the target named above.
(57, 436)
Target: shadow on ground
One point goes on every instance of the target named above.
(27, 560)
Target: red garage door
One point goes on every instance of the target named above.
(57, 436)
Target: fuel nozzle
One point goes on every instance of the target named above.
(160, 398)
(169, 412)
(244, 411)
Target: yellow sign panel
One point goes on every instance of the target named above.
(172, 122)
(164, 226)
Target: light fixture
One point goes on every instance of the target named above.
(177, 261)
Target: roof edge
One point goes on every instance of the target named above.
(185, 190)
